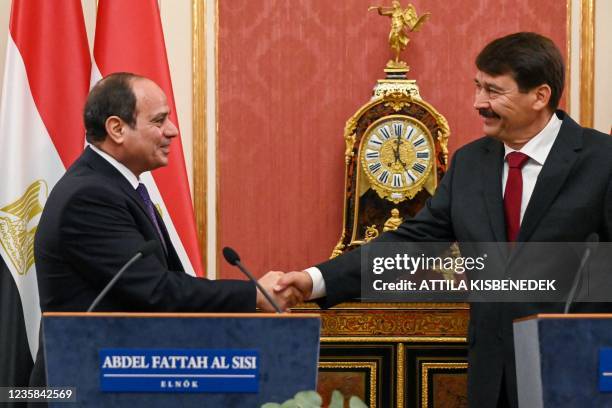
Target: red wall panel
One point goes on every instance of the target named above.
(290, 72)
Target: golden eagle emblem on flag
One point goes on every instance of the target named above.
(18, 224)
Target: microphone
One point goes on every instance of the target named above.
(146, 249)
(233, 259)
(591, 244)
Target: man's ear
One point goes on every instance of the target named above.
(542, 96)
(114, 129)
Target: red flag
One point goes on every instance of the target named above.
(46, 80)
(129, 37)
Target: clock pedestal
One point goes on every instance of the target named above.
(396, 80)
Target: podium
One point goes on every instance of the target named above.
(562, 360)
(189, 360)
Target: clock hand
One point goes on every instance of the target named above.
(396, 153)
(395, 157)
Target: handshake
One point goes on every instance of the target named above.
(287, 289)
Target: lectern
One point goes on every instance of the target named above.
(564, 360)
(189, 360)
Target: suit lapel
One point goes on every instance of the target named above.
(492, 179)
(557, 167)
(101, 166)
(492, 166)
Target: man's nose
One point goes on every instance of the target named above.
(481, 99)
(171, 129)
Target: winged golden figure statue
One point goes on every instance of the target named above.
(403, 21)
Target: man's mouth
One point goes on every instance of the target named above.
(488, 113)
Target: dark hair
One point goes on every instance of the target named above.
(530, 58)
(111, 96)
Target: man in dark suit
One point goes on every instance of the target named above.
(537, 176)
(99, 215)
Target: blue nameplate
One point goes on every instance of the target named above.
(179, 370)
(605, 369)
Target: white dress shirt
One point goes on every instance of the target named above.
(537, 149)
(127, 173)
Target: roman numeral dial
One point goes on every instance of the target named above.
(397, 156)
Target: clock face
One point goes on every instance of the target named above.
(396, 156)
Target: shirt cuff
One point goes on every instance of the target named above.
(318, 284)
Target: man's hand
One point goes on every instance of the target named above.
(298, 280)
(285, 299)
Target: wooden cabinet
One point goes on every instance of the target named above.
(394, 354)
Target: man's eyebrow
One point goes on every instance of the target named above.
(493, 86)
(160, 116)
(487, 85)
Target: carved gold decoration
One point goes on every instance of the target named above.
(350, 365)
(393, 320)
(401, 362)
(387, 306)
(399, 339)
(349, 138)
(425, 368)
(398, 88)
(443, 138)
(394, 221)
(403, 323)
(397, 98)
(18, 225)
(371, 233)
(338, 249)
(443, 134)
(403, 21)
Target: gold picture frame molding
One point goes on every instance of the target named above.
(587, 62)
(200, 172)
(370, 366)
(425, 374)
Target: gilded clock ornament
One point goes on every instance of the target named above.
(394, 221)
(403, 21)
(396, 147)
(396, 156)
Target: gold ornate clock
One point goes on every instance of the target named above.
(396, 154)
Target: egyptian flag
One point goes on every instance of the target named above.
(129, 38)
(46, 80)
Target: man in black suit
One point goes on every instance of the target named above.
(99, 215)
(537, 176)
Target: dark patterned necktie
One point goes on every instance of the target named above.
(514, 194)
(151, 211)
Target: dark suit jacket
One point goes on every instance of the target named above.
(92, 223)
(572, 199)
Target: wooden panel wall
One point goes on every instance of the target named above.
(290, 72)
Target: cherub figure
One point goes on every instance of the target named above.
(403, 21)
(394, 221)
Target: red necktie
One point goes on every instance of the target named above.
(514, 193)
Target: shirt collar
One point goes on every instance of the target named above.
(127, 173)
(539, 146)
